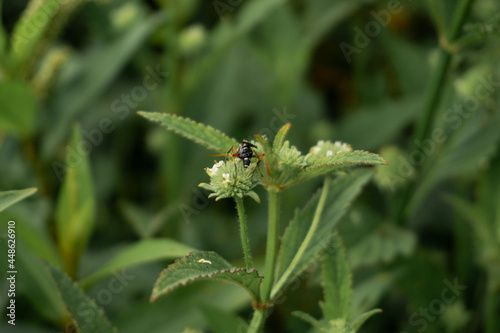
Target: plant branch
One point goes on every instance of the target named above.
(244, 232)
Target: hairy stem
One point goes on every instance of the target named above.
(257, 321)
(272, 245)
(244, 232)
(259, 315)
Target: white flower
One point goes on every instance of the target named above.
(213, 170)
(329, 153)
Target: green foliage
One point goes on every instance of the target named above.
(337, 286)
(310, 230)
(76, 206)
(29, 31)
(122, 195)
(8, 198)
(204, 265)
(18, 105)
(199, 133)
(384, 244)
(85, 314)
(138, 253)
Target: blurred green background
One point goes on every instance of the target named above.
(74, 73)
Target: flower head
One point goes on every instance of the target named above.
(228, 179)
(326, 149)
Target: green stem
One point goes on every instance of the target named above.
(433, 95)
(434, 89)
(307, 240)
(257, 321)
(243, 232)
(259, 315)
(272, 245)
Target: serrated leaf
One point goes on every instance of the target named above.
(383, 244)
(8, 198)
(356, 324)
(337, 282)
(75, 205)
(36, 283)
(341, 193)
(76, 301)
(205, 265)
(202, 134)
(138, 253)
(18, 105)
(280, 137)
(337, 162)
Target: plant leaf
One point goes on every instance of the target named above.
(337, 281)
(382, 244)
(356, 323)
(75, 206)
(138, 253)
(202, 134)
(280, 137)
(35, 283)
(8, 198)
(342, 192)
(190, 269)
(18, 106)
(337, 162)
(76, 300)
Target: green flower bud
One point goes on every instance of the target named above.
(228, 179)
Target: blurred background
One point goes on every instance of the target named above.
(414, 81)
